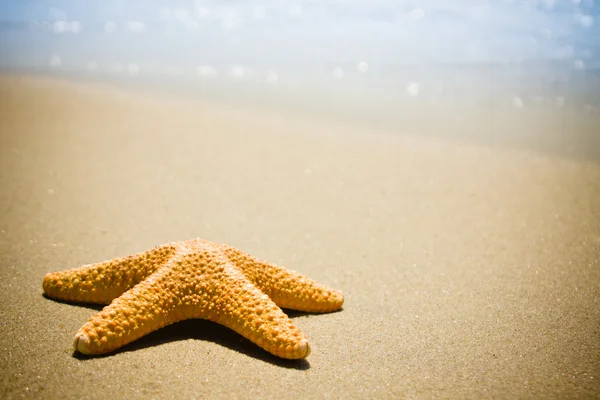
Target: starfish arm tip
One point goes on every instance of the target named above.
(303, 349)
(82, 343)
(53, 286)
(296, 351)
(334, 299)
(46, 283)
(340, 301)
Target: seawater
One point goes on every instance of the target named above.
(372, 58)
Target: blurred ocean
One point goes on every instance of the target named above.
(357, 55)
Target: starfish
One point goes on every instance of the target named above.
(191, 279)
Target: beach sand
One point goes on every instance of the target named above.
(469, 270)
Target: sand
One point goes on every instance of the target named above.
(469, 271)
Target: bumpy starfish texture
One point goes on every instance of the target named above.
(191, 279)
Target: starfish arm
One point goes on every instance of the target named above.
(148, 306)
(287, 288)
(244, 308)
(102, 282)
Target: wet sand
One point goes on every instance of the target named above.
(469, 270)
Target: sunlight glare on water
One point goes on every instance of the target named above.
(421, 49)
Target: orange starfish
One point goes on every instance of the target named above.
(191, 279)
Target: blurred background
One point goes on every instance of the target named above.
(392, 64)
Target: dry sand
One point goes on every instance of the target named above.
(468, 271)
